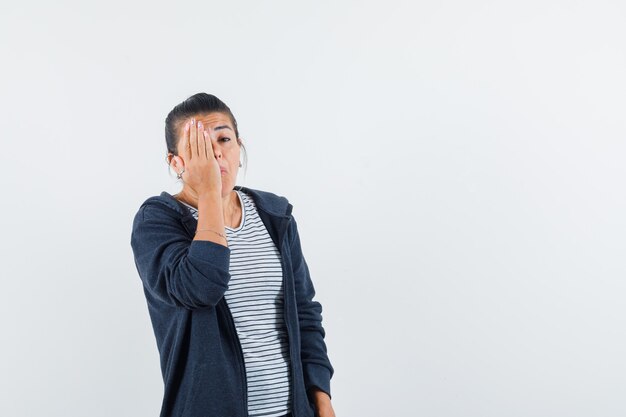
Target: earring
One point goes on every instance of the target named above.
(180, 174)
(240, 164)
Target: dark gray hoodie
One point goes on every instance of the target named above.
(184, 281)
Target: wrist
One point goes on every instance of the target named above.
(210, 196)
(319, 397)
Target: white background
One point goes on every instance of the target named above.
(456, 169)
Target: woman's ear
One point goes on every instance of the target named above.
(175, 162)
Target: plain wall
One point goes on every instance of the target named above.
(456, 169)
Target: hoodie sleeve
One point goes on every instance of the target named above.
(176, 270)
(316, 365)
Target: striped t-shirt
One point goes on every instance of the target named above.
(255, 298)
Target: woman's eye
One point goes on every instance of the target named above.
(225, 139)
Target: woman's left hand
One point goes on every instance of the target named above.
(323, 407)
(325, 410)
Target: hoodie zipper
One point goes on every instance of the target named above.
(240, 350)
(291, 372)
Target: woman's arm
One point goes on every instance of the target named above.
(316, 365)
(176, 270)
(323, 406)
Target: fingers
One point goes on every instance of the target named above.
(209, 148)
(186, 151)
(198, 142)
(202, 141)
(193, 138)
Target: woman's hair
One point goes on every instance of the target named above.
(200, 103)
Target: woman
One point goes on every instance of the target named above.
(227, 287)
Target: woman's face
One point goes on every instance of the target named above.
(225, 146)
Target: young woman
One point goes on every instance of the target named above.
(228, 289)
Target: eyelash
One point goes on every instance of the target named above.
(225, 138)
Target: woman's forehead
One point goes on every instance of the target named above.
(209, 119)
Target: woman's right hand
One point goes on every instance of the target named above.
(202, 171)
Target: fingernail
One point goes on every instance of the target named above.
(200, 124)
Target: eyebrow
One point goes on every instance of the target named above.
(222, 127)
